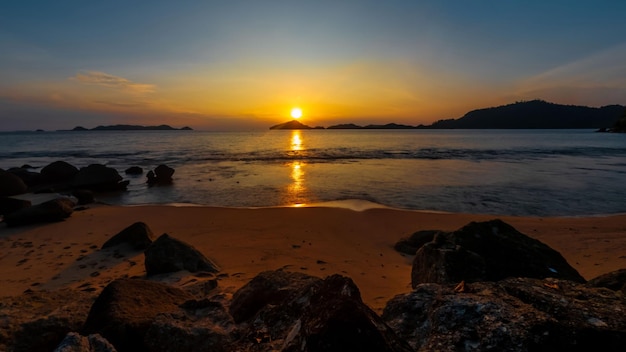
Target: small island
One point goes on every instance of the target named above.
(132, 128)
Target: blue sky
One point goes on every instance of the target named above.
(244, 64)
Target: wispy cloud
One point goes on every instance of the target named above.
(597, 79)
(111, 81)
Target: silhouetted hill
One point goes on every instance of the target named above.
(291, 125)
(132, 128)
(535, 114)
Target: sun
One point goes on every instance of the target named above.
(296, 113)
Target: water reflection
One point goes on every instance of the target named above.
(296, 191)
(296, 141)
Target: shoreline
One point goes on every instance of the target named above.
(316, 240)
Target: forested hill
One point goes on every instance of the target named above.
(536, 114)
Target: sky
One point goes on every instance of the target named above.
(243, 65)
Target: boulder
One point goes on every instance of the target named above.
(11, 184)
(267, 288)
(74, 342)
(138, 236)
(167, 254)
(50, 211)
(11, 205)
(162, 174)
(517, 314)
(312, 315)
(336, 319)
(411, 244)
(59, 172)
(126, 308)
(615, 280)
(97, 177)
(492, 250)
(202, 325)
(84, 196)
(134, 170)
(30, 178)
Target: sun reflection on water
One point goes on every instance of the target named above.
(297, 189)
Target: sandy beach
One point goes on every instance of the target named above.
(315, 240)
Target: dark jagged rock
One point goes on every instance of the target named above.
(74, 342)
(167, 254)
(487, 251)
(518, 314)
(162, 174)
(59, 171)
(83, 196)
(310, 314)
(11, 185)
(268, 287)
(50, 211)
(38, 320)
(134, 170)
(126, 308)
(335, 319)
(200, 326)
(615, 280)
(11, 205)
(97, 177)
(138, 236)
(411, 244)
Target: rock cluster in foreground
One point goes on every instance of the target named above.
(291, 311)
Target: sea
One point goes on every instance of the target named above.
(499, 172)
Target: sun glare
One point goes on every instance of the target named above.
(296, 113)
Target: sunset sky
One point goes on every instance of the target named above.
(239, 65)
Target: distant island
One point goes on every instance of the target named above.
(534, 114)
(132, 128)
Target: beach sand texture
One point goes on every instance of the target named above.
(318, 241)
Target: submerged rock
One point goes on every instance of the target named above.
(162, 174)
(97, 177)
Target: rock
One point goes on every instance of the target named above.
(167, 254)
(134, 170)
(11, 184)
(84, 196)
(10, 205)
(30, 178)
(204, 326)
(126, 308)
(411, 244)
(74, 342)
(268, 287)
(59, 171)
(50, 211)
(504, 251)
(138, 236)
(97, 177)
(304, 313)
(336, 319)
(518, 314)
(39, 320)
(615, 280)
(162, 175)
